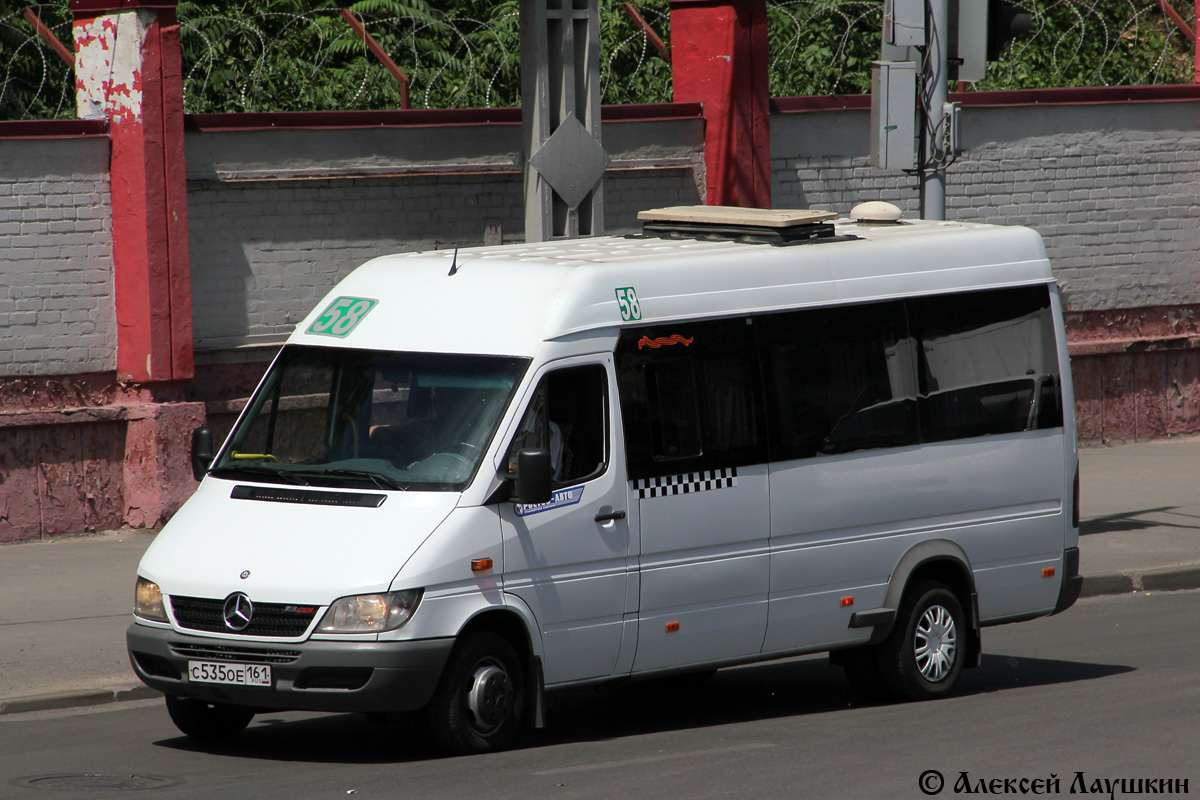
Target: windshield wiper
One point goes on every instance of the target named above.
(262, 472)
(380, 481)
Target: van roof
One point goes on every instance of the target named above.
(508, 299)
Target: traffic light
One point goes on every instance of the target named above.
(1006, 21)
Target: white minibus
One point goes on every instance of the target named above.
(472, 477)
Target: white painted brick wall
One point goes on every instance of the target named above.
(264, 252)
(57, 314)
(1111, 188)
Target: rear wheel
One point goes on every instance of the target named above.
(923, 655)
(210, 722)
(480, 700)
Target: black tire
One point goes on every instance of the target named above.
(923, 655)
(480, 700)
(208, 722)
(863, 673)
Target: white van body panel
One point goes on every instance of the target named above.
(540, 292)
(293, 553)
(842, 523)
(705, 567)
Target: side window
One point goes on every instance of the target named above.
(839, 379)
(988, 363)
(567, 416)
(690, 397)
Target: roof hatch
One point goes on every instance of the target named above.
(759, 225)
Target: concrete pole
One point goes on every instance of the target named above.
(128, 71)
(564, 161)
(934, 94)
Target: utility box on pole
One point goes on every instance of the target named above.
(894, 115)
(968, 44)
(904, 23)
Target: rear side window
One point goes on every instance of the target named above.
(839, 379)
(690, 397)
(987, 363)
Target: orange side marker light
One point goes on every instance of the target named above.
(672, 627)
(481, 564)
(1048, 572)
(847, 602)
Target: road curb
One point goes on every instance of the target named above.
(1170, 579)
(78, 699)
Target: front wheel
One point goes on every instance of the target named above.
(480, 700)
(209, 722)
(923, 655)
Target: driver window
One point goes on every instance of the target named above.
(566, 416)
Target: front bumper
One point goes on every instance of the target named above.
(310, 676)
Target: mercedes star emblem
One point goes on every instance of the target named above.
(238, 611)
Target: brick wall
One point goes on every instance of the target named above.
(56, 288)
(277, 217)
(1111, 187)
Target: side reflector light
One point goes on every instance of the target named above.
(672, 627)
(847, 602)
(1048, 572)
(480, 564)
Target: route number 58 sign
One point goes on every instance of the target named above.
(342, 316)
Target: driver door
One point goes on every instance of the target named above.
(568, 559)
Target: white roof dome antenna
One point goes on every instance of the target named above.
(876, 212)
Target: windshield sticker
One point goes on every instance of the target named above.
(665, 341)
(342, 316)
(688, 483)
(631, 308)
(561, 498)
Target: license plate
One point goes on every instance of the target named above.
(229, 673)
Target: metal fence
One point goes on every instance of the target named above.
(328, 59)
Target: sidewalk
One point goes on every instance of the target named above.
(65, 604)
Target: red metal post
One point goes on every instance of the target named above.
(1175, 17)
(48, 36)
(649, 32)
(379, 53)
(719, 59)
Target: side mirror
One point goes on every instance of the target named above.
(202, 452)
(534, 474)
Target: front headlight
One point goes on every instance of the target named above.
(370, 613)
(148, 601)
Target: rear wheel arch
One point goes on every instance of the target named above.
(940, 561)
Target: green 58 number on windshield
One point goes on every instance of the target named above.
(342, 316)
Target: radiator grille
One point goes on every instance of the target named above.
(269, 619)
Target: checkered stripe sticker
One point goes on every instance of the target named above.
(688, 483)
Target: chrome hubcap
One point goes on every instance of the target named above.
(935, 643)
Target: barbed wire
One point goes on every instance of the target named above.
(314, 60)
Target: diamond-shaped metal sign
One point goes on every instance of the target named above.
(571, 161)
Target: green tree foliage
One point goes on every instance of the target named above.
(1100, 43)
(34, 82)
(835, 40)
(300, 55)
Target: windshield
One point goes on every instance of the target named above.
(336, 417)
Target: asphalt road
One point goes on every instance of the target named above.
(1108, 690)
